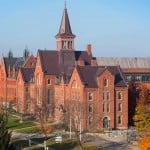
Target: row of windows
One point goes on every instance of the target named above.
(106, 107)
(137, 77)
(106, 95)
(66, 44)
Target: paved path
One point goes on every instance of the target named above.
(113, 143)
(102, 140)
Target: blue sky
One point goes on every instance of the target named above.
(114, 27)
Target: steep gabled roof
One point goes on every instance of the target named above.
(62, 62)
(83, 55)
(14, 62)
(89, 74)
(30, 62)
(119, 78)
(27, 74)
(65, 27)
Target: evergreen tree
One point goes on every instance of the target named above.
(26, 53)
(5, 134)
(10, 54)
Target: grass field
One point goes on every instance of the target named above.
(14, 123)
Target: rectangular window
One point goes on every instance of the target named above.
(119, 107)
(119, 95)
(105, 95)
(90, 108)
(105, 82)
(48, 81)
(103, 107)
(49, 96)
(119, 119)
(90, 96)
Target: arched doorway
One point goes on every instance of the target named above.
(105, 123)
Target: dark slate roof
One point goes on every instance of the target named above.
(16, 62)
(88, 75)
(119, 78)
(61, 62)
(65, 28)
(27, 74)
(83, 55)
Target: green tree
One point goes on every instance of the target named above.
(5, 134)
(10, 54)
(26, 53)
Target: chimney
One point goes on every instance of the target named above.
(93, 62)
(80, 62)
(89, 48)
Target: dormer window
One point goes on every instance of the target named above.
(49, 81)
(105, 82)
(90, 96)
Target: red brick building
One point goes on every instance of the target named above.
(100, 95)
(64, 78)
(8, 74)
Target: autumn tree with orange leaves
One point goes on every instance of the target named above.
(142, 118)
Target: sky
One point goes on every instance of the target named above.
(115, 28)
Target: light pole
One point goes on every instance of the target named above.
(70, 124)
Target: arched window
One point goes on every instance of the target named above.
(105, 82)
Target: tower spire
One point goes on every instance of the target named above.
(65, 4)
(65, 35)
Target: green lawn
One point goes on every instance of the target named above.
(14, 123)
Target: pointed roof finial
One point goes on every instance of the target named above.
(65, 4)
(65, 27)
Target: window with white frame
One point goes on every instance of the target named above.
(119, 107)
(119, 119)
(90, 96)
(90, 108)
(106, 95)
(119, 95)
(105, 82)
